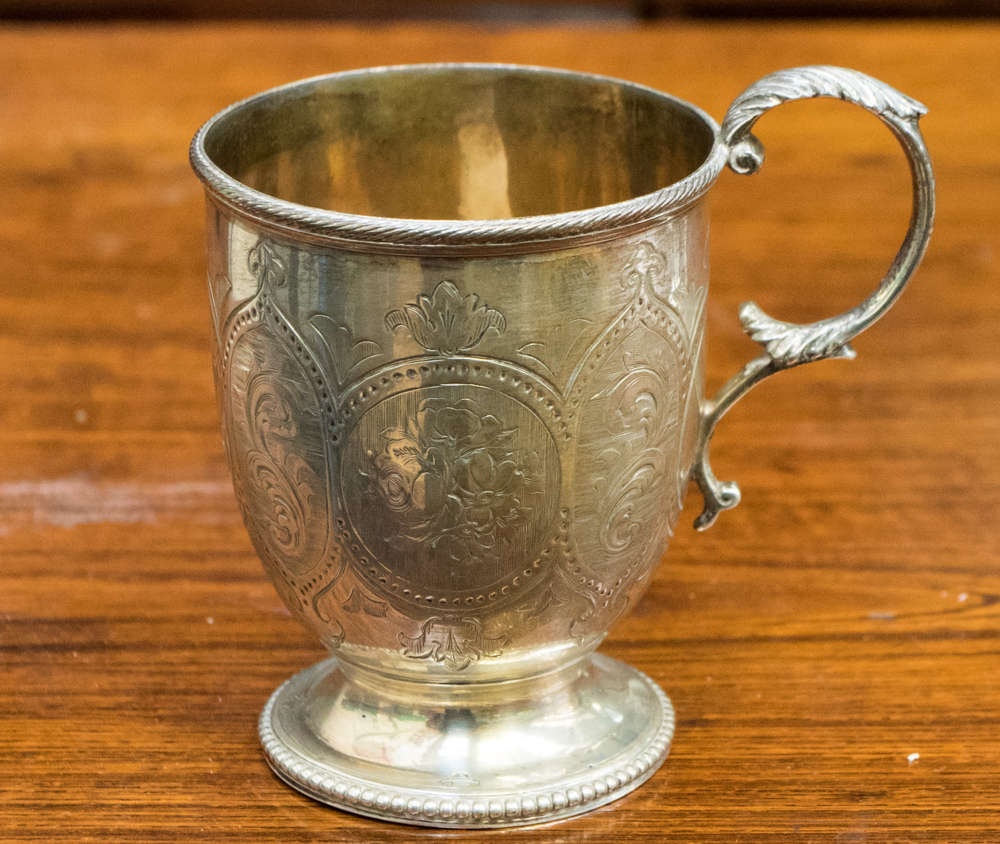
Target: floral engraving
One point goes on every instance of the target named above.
(452, 641)
(446, 322)
(450, 479)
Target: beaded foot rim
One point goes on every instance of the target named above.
(572, 796)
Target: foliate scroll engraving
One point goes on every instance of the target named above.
(446, 322)
(275, 446)
(634, 385)
(634, 403)
(623, 495)
(640, 411)
(648, 266)
(649, 269)
(275, 468)
(452, 641)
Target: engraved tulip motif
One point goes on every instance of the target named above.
(446, 322)
(454, 641)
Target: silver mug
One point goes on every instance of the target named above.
(459, 318)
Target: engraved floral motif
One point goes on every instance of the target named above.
(446, 322)
(450, 479)
(453, 641)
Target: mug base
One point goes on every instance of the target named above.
(473, 755)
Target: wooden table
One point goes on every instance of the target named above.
(832, 646)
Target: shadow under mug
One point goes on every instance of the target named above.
(459, 320)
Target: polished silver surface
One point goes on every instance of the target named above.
(459, 313)
(538, 749)
(786, 344)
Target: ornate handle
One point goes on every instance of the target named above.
(786, 344)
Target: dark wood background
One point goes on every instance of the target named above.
(494, 12)
(843, 619)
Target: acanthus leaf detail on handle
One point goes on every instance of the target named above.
(786, 344)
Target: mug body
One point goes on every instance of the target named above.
(459, 314)
(460, 464)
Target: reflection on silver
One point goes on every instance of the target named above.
(459, 314)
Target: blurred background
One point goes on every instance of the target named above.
(514, 12)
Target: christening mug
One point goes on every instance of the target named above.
(459, 316)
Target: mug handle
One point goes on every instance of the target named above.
(787, 344)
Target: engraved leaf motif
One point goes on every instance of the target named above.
(447, 322)
(265, 265)
(789, 344)
(358, 602)
(344, 353)
(547, 599)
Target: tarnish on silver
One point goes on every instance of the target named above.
(787, 344)
(459, 320)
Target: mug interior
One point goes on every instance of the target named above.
(459, 142)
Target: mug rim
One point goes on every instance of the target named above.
(589, 224)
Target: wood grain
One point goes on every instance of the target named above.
(843, 618)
